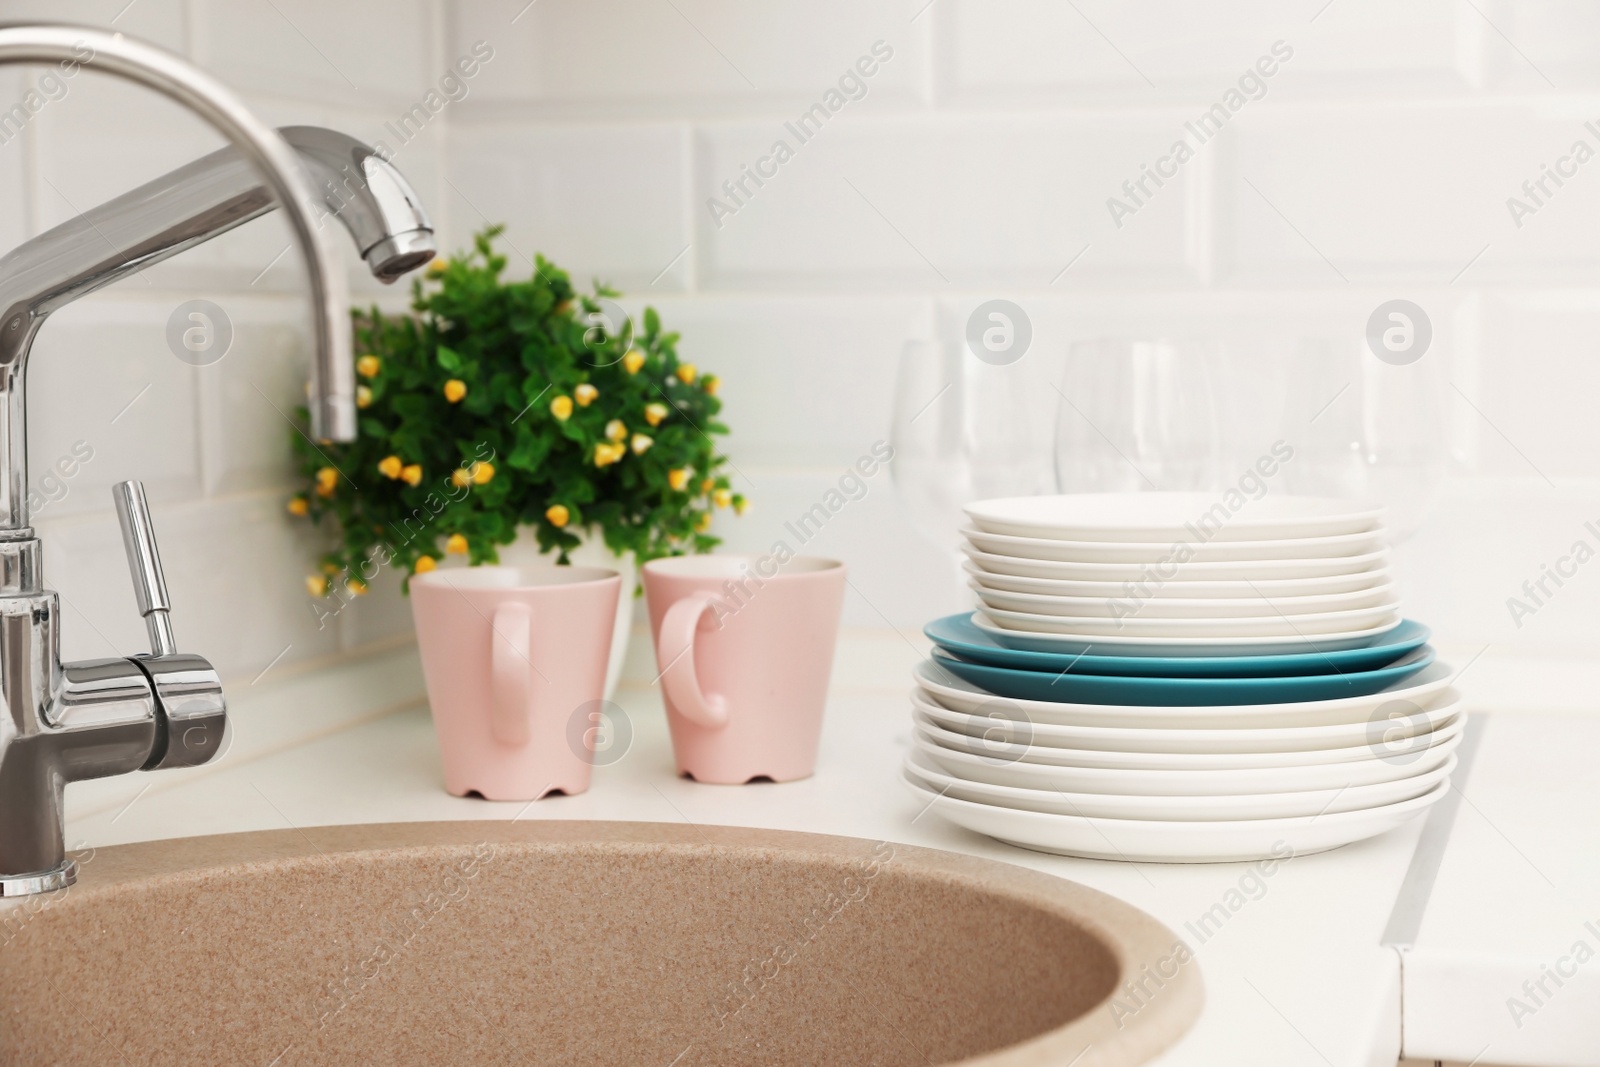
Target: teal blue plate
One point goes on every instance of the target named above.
(1074, 688)
(956, 633)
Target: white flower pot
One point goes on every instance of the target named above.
(524, 552)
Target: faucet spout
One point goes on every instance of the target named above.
(177, 211)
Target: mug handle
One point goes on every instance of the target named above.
(509, 630)
(675, 649)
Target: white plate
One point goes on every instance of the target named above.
(1247, 570)
(1127, 645)
(1165, 557)
(1173, 842)
(1331, 585)
(995, 749)
(1428, 688)
(1380, 735)
(998, 769)
(1122, 605)
(1250, 626)
(1168, 517)
(1178, 809)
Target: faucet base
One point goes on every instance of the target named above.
(22, 885)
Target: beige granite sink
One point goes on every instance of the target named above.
(579, 943)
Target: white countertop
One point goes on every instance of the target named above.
(1297, 975)
(1294, 977)
(1505, 966)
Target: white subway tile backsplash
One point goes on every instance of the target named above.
(15, 160)
(1479, 571)
(248, 398)
(160, 22)
(102, 378)
(1032, 53)
(1537, 44)
(931, 203)
(382, 615)
(106, 136)
(604, 203)
(235, 569)
(1345, 194)
(804, 381)
(978, 163)
(353, 51)
(1534, 396)
(701, 56)
(1375, 50)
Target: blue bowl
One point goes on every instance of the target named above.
(1075, 688)
(958, 634)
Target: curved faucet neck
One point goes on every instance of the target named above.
(162, 218)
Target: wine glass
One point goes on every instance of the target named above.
(1365, 429)
(1135, 416)
(961, 431)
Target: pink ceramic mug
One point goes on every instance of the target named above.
(744, 645)
(510, 655)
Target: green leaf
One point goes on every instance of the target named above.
(529, 453)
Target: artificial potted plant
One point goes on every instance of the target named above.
(501, 414)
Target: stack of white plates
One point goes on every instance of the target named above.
(1167, 677)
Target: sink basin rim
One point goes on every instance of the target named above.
(1144, 1024)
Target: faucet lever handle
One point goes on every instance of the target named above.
(149, 584)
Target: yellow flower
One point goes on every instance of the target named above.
(412, 475)
(707, 484)
(679, 479)
(369, 366)
(330, 569)
(563, 307)
(327, 479)
(423, 565)
(356, 587)
(740, 505)
(299, 507)
(437, 267)
(655, 413)
(316, 585)
(482, 472)
(686, 373)
(558, 515)
(390, 466)
(642, 443)
(585, 394)
(615, 430)
(711, 384)
(606, 454)
(722, 498)
(460, 476)
(454, 390)
(703, 523)
(633, 361)
(561, 408)
(456, 545)
(363, 396)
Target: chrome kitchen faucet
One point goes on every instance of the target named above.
(67, 722)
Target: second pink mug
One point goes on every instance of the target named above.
(744, 646)
(511, 655)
